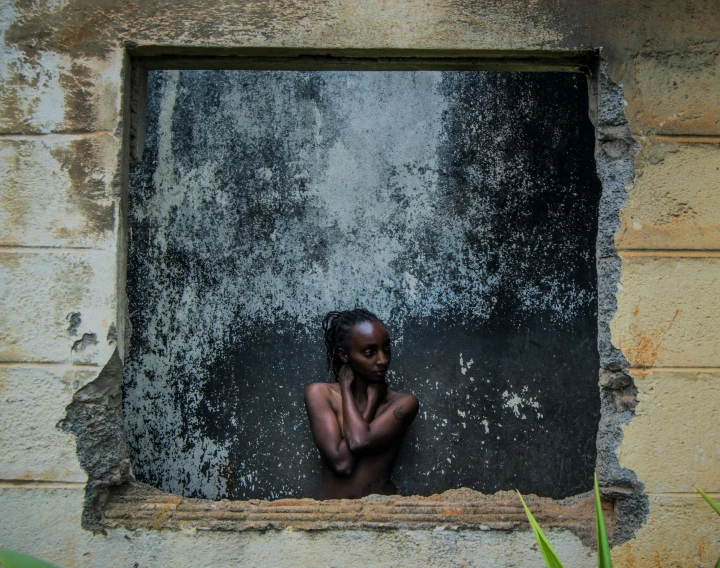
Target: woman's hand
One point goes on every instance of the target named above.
(346, 377)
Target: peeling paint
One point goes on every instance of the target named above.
(516, 403)
(266, 199)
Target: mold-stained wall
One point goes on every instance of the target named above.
(460, 207)
(64, 144)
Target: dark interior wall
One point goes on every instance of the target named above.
(460, 207)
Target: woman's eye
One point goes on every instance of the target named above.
(368, 353)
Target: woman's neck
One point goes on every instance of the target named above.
(360, 389)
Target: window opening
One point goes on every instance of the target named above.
(461, 207)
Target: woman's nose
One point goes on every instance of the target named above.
(383, 358)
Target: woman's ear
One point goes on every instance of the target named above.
(342, 355)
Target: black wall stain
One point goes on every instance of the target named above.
(486, 225)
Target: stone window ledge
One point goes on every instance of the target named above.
(139, 506)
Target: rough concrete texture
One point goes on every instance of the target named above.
(448, 203)
(35, 528)
(34, 401)
(681, 530)
(49, 91)
(139, 506)
(48, 199)
(41, 289)
(60, 71)
(675, 460)
(674, 325)
(675, 203)
(614, 155)
(683, 84)
(95, 418)
(658, 51)
(614, 152)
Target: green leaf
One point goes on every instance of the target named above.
(715, 507)
(549, 556)
(604, 559)
(11, 559)
(710, 502)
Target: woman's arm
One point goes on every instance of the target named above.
(376, 394)
(363, 437)
(326, 430)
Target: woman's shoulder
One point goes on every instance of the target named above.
(314, 390)
(405, 398)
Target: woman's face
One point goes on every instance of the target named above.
(368, 351)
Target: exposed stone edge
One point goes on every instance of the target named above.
(95, 418)
(614, 154)
(139, 506)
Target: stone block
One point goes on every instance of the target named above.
(681, 531)
(674, 203)
(33, 401)
(58, 307)
(673, 443)
(668, 312)
(44, 522)
(676, 91)
(56, 191)
(45, 91)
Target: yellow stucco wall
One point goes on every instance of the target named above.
(62, 72)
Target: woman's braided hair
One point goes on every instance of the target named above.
(338, 327)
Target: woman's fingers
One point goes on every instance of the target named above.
(346, 374)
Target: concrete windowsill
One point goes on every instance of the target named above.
(138, 506)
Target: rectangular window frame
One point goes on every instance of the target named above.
(129, 504)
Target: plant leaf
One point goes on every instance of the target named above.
(710, 502)
(12, 559)
(549, 556)
(604, 558)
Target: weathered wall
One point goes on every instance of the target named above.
(460, 207)
(62, 71)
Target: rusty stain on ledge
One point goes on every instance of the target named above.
(139, 506)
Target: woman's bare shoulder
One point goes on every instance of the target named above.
(321, 390)
(401, 397)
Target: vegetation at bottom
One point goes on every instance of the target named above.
(604, 561)
(12, 559)
(715, 508)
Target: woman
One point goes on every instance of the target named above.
(358, 422)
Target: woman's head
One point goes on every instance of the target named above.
(357, 337)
